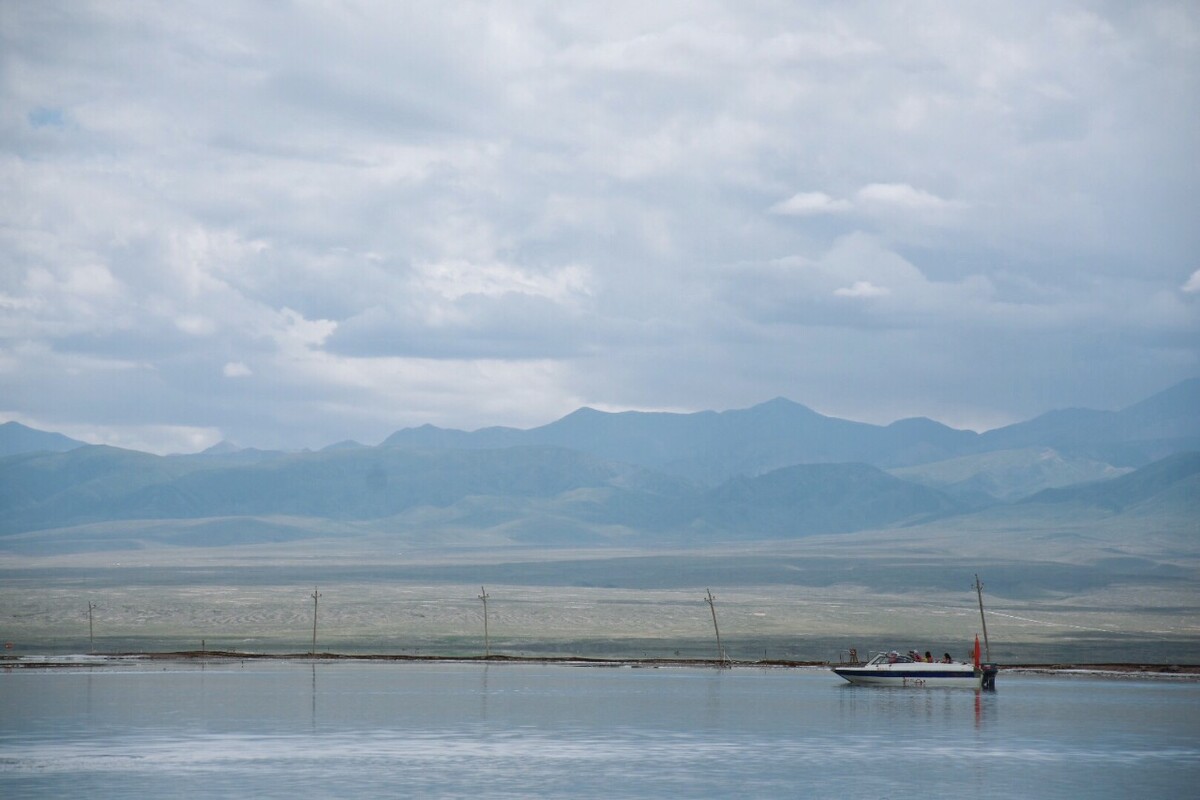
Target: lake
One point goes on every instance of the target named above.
(297, 729)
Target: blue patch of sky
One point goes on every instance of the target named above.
(43, 117)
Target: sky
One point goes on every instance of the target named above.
(288, 224)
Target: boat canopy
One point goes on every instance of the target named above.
(894, 658)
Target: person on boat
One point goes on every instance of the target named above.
(928, 657)
(946, 659)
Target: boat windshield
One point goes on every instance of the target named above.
(891, 658)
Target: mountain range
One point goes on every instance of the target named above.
(776, 470)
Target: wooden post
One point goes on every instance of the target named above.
(713, 608)
(91, 635)
(487, 646)
(315, 596)
(979, 592)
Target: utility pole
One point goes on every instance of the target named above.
(315, 596)
(487, 646)
(91, 636)
(713, 608)
(979, 593)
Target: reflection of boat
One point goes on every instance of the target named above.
(895, 669)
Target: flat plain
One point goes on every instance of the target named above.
(1048, 597)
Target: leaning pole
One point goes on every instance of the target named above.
(987, 649)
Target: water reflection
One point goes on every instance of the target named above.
(922, 708)
(483, 694)
(503, 730)
(712, 697)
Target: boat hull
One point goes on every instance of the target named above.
(962, 676)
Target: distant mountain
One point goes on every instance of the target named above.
(820, 498)
(97, 484)
(347, 444)
(17, 438)
(226, 452)
(774, 470)
(1166, 423)
(1174, 481)
(542, 494)
(1007, 474)
(712, 446)
(221, 448)
(48, 489)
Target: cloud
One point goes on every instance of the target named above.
(806, 203)
(862, 289)
(899, 195)
(453, 280)
(874, 198)
(836, 44)
(480, 214)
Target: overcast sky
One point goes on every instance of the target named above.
(292, 223)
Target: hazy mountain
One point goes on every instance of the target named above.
(516, 495)
(98, 483)
(713, 446)
(221, 448)
(1007, 474)
(1174, 482)
(346, 444)
(1166, 423)
(775, 470)
(526, 488)
(819, 498)
(40, 490)
(787, 503)
(17, 438)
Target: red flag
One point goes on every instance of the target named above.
(977, 651)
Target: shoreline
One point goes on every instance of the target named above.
(95, 660)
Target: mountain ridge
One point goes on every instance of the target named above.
(778, 469)
(16, 438)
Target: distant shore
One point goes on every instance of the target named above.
(93, 660)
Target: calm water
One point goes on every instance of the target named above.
(467, 730)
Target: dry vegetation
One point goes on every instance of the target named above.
(254, 599)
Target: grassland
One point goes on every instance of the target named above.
(1050, 597)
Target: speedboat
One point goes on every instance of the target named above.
(896, 669)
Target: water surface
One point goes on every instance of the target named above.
(287, 729)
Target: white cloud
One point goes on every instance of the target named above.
(453, 280)
(679, 50)
(195, 324)
(862, 289)
(483, 214)
(827, 44)
(294, 333)
(899, 195)
(871, 198)
(807, 203)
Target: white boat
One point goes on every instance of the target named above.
(895, 669)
